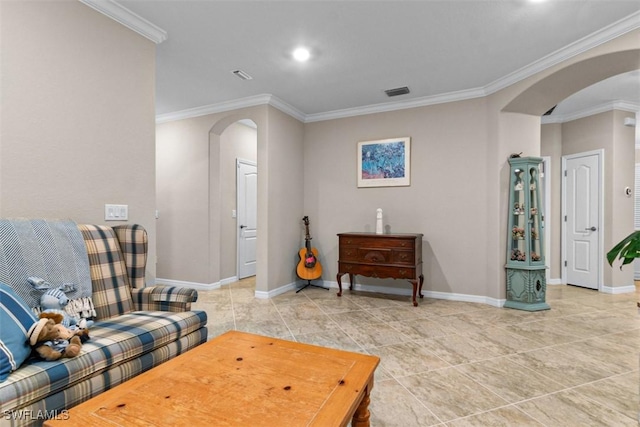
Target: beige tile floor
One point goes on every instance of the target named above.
(448, 363)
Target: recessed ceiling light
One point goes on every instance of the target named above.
(301, 54)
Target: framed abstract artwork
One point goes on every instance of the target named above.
(384, 163)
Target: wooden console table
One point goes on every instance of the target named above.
(397, 256)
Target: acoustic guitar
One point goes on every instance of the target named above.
(309, 267)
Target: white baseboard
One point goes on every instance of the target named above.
(381, 289)
(228, 280)
(184, 284)
(429, 294)
(277, 291)
(618, 289)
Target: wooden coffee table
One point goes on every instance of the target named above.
(240, 379)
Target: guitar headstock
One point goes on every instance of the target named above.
(306, 220)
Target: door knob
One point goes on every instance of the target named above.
(243, 226)
(591, 229)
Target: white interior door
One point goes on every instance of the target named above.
(582, 202)
(247, 204)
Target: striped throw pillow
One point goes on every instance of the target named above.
(16, 319)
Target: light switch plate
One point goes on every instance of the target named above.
(116, 212)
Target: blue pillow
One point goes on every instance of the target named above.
(16, 318)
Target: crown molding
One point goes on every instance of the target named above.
(602, 108)
(617, 29)
(221, 107)
(397, 105)
(287, 108)
(124, 16)
(608, 33)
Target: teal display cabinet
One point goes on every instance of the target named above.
(526, 282)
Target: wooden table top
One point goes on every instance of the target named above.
(238, 379)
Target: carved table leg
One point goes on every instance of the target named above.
(339, 278)
(421, 282)
(415, 288)
(351, 281)
(361, 416)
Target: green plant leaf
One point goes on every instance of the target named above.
(627, 250)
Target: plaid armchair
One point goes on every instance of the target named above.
(118, 259)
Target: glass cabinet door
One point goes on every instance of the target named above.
(518, 226)
(525, 214)
(535, 223)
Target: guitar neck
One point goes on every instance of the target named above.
(307, 237)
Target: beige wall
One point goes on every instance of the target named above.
(623, 171)
(238, 141)
(606, 131)
(189, 187)
(182, 170)
(78, 116)
(551, 146)
(446, 200)
(285, 177)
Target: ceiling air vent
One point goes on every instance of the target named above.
(397, 91)
(241, 74)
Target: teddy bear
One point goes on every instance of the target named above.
(52, 340)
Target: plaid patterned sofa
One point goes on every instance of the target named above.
(136, 328)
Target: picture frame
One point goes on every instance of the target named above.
(384, 162)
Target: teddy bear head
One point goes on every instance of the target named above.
(52, 340)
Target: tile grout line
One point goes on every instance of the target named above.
(233, 309)
(440, 318)
(340, 326)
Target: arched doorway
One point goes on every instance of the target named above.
(544, 94)
(238, 200)
(232, 140)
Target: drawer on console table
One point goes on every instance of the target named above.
(377, 255)
(378, 271)
(371, 240)
(403, 257)
(378, 249)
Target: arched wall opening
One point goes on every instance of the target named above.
(518, 129)
(189, 192)
(238, 202)
(223, 228)
(549, 91)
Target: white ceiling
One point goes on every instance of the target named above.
(441, 50)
